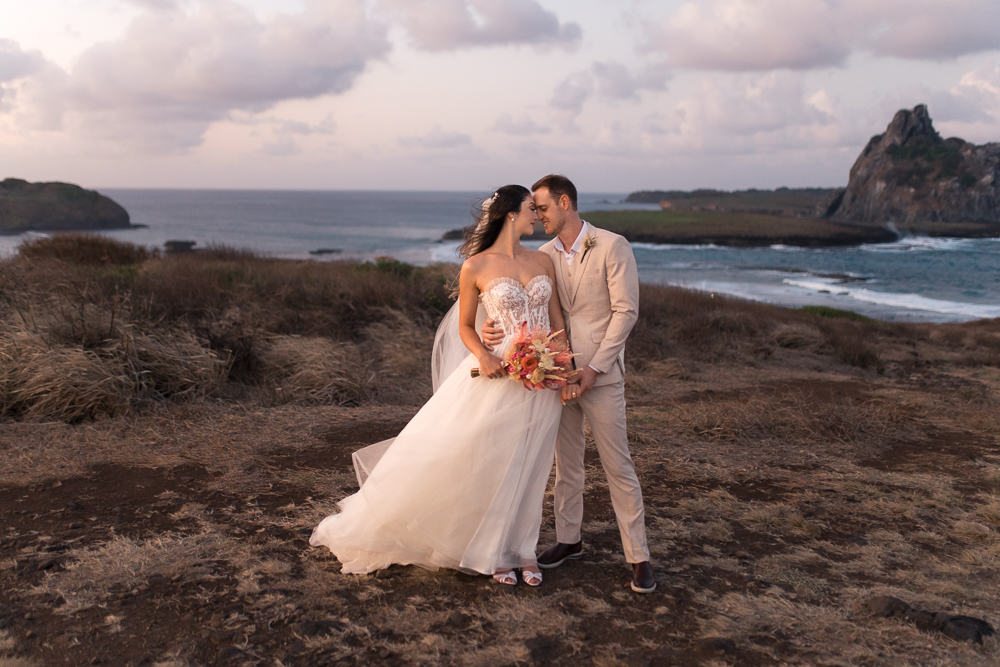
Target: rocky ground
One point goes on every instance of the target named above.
(782, 496)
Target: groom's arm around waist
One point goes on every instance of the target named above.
(623, 289)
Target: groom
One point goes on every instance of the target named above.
(598, 287)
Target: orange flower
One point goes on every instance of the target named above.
(529, 364)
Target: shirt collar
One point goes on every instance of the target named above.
(577, 244)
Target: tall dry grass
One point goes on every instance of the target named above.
(89, 331)
(91, 326)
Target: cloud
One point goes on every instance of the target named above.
(766, 104)
(616, 82)
(608, 80)
(570, 93)
(520, 127)
(437, 139)
(16, 64)
(982, 85)
(281, 146)
(440, 25)
(976, 98)
(173, 73)
(755, 35)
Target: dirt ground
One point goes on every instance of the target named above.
(780, 497)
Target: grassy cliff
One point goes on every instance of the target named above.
(28, 206)
(733, 229)
(782, 201)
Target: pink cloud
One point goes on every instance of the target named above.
(758, 35)
(439, 25)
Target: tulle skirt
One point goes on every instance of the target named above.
(461, 487)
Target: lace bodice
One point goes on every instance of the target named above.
(510, 303)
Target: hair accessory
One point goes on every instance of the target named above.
(489, 202)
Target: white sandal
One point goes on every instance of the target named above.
(533, 579)
(506, 578)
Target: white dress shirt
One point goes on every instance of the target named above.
(577, 244)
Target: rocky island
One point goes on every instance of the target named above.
(906, 180)
(56, 207)
(910, 176)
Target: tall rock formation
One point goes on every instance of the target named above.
(56, 207)
(910, 175)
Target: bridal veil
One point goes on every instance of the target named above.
(449, 351)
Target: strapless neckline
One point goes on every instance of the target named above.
(505, 280)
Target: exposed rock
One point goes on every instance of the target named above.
(229, 652)
(910, 175)
(317, 628)
(720, 644)
(959, 628)
(59, 207)
(887, 606)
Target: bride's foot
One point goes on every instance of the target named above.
(506, 578)
(531, 577)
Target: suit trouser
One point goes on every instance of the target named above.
(604, 408)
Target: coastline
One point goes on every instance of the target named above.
(754, 230)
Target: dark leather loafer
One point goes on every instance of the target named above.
(558, 554)
(643, 580)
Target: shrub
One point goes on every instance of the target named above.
(87, 249)
(835, 313)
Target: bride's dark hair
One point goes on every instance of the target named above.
(490, 219)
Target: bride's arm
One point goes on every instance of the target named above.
(468, 302)
(556, 321)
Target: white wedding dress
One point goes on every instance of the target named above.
(462, 485)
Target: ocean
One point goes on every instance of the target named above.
(913, 279)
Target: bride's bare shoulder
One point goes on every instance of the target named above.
(473, 268)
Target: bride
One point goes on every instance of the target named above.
(462, 485)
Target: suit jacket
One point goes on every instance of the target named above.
(599, 295)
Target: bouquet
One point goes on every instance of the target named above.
(538, 360)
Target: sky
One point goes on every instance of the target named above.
(619, 95)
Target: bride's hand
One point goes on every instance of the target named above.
(491, 366)
(492, 335)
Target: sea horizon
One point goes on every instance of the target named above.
(912, 279)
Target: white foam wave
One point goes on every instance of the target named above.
(447, 252)
(897, 300)
(674, 246)
(920, 243)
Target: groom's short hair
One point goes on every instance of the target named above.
(557, 185)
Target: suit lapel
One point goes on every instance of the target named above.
(563, 280)
(580, 269)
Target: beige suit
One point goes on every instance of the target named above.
(599, 294)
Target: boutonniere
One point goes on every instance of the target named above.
(589, 242)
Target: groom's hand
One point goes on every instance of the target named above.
(492, 335)
(586, 376)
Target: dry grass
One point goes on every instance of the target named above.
(788, 477)
(98, 327)
(83, 249)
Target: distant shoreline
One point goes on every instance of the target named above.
(81, 230)
(752, 230)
